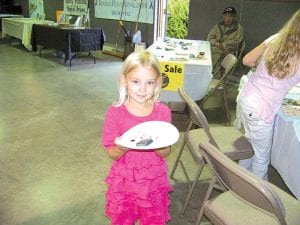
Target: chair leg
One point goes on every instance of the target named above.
(177, 160)
(207, 196)
(225, 105)
(192, 188)
(190, 124)
(185, 174)
(203, 101)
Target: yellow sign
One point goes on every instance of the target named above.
(173, 74)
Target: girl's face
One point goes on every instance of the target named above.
(141, 83)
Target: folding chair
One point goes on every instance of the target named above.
(219, 86)
(230, 140)
(234, 78)
(240, 51)
(248, 199)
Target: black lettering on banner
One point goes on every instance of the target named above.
(81, 2)
(126, 13)
(80, 9)
(151, 6)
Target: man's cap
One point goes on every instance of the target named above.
(230, 10)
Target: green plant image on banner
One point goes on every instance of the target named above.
(178, 16)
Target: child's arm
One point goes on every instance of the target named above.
(110, 135)
(116, 152)
(163, 152)
(251, 59)
(254, 55)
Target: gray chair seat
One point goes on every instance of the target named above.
(248, 200)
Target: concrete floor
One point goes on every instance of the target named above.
(52, 164)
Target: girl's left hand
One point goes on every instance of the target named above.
(120, 147)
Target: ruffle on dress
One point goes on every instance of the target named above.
(138, 182)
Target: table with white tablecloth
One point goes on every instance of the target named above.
(285, 152)
(21, 28)
(183, 63)
(8, 15)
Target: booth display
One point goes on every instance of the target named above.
(67, 40)
(285, 152)
(183, 62)
(21, 28)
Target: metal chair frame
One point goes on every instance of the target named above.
(247, 191)
(236, 146)
(219, 86)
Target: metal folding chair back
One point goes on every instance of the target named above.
(248, 199)
(227, 138)
(219, 86)
(241, 51)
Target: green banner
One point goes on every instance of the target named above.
(127, 10)
(36, 9)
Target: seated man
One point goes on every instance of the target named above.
(225, 37)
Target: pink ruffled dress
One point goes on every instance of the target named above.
(138, 184)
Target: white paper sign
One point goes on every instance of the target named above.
(75, 7)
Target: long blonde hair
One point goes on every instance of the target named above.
(135, 59)
(283, 54)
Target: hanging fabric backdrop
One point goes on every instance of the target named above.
(127, 10)
(75, 7)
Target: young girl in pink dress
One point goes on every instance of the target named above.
(137, 182)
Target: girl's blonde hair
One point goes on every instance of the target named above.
(283, 54)
(135, 59)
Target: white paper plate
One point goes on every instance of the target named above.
(149, 135)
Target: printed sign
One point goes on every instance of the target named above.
(75, 7)
(172, 74)
(127, 10)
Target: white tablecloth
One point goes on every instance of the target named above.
(197, 69)
(8, 15)
(285, 152)
(21, 28)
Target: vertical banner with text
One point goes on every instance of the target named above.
(36, 8)
(75, 7)
(127, 10)
(173, 75)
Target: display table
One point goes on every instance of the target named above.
(8, 15)
(285, 152)
(183, 62)
(67, 40)
(21, 28)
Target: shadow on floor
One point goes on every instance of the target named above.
(178, 199)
